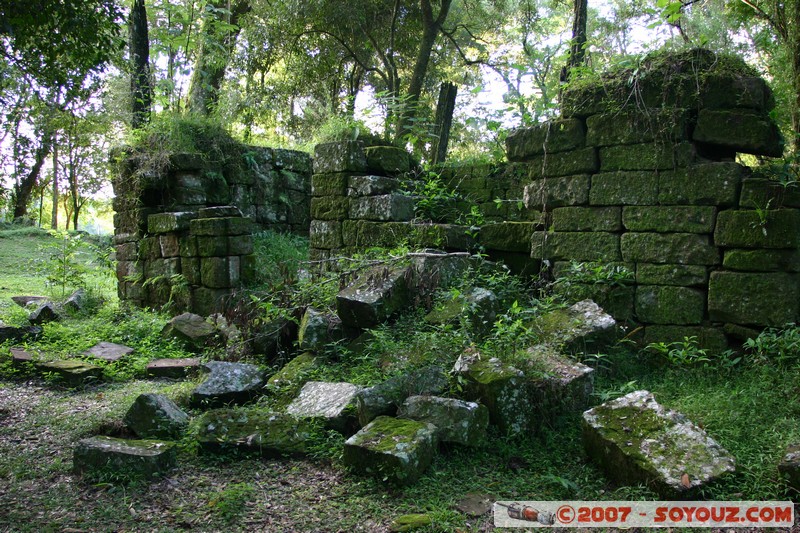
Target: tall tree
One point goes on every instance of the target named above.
(219, 34)
(577, 50)
(139, 46)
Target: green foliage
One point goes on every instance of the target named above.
(436, 201)
(341, 128)
(683, 353)
(67, 258)
(779, 345)
(230, 502)
(572, 283)
(279, 258)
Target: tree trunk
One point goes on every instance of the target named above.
(444, 120)
(794, 48)
(54, 212)
(210, 67)
(577, 52)
(430, 31)
(22, 191)
(138, 41)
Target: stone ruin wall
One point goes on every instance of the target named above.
(176, 241)
(647, 181)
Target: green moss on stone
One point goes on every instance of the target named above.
(657, 304)
(667, 219)
(752, 229)
(624, 188)
(681, 248)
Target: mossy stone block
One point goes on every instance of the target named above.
(212, 246)
(745, 131)
(149, 248)
(585, 99)
(72, 372)
(730, 91)
(752, 229)
(636, 440)
(587, 219)
(762, 260)
(624, 188)
(680, 275)
(325, 234)
(564, 164)
(376, 295)
(616, 300)
(385, 207)
(372, 185)
(398, 450)
(240, 245)
(576, 245)
(456, 420)
(215, 272)
(708, 184)
(550, 137)
(636, 127)
(557, 192)
(387, 160)
(340, 156)
(288, 381)
(257, 430)
(666, 219)
(665, 304)
(507, 236)
(330, 207)
(670, 248)
(646, 156)
(98, 457)
(169, 222)
(329, 184)
(765, 193)
(762, 299)
(220, 226)
(711, 339)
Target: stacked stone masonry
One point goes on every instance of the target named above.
(650, 183)
(183, 234)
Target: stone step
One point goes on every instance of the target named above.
(108, 351)
(173, 368)
(253, 430)
(73, 372)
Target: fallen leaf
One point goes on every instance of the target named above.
(685, 481)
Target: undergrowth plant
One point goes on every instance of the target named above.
(779, 345)
(686, 352)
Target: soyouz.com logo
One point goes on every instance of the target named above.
(643, 514)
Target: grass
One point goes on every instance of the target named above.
(752, 409)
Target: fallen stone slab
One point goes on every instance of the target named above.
(394, 449)
(456, 420)
(789, 467)
(558, 384)
(72, 372)
(581, 327)
(109, 457)
(154, 416)
(636, 440)
(334, 403)
(43, 314)
(191, 329)
(17, 334)
(20, 358)
(386, 397)
(228, 383)
(375, 296)
(108, 351)
(29, 301)
(178, 368)
(478, 307)
(253, 430)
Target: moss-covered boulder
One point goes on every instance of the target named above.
(456, 420)
(332, 403)
(636, 440)
(109, 458)
(254, 430)
(393, 449)
(789, 467)
(386, 397)
(154, 416)
(191, 329)
(228, 383)
(741, 130)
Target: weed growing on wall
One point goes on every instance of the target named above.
(779, 345)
